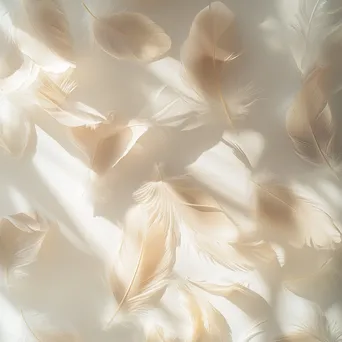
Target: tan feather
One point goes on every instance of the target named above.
(282, 213)
(309, 122)
(181, 199)
(53, 96)
(145, 262)
(104, 144)
(203, 57)
(50, 23)
(246, 299)
(21, 238)
(130, 36)
(297, 337)
(208, 324)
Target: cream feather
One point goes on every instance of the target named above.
(208, 324)
(309, 122)
(15, 129)
(145, 261)
(21, 238)
(182, 200)
(282, 212)
(130, 36)
(203, 56)
(107, 143)
(51, 25)
(246, 299)
(53, 96)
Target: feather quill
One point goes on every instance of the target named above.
(21, 238)
(53, 96)
(145, 261)
(309, 123)
(202, 55)
(279, 210)
(51, 25)
(130, 36)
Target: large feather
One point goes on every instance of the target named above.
(282, 213)
(130, 36)
(309, 122)
(21, 238)
(181, 199)
(202, 55)
(50, 23)
(145, 262)
(53, 96)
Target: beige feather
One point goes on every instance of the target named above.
(130, 36)
(104, 144)
(202, 55)
(145, 262)
(182, 200)
(48, 19)
(297, 337)
(246, 299)
(208, 324)
(309, 122)
(21, 238)
(53, 96)
(282, 213)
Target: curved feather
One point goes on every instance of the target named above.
(283, 213)
(309, 122)
(145, 262)
(21, 238)
(50, 23)
(204, 57)
(131, 36)
(53, 96)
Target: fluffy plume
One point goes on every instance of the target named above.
(202, 55)
(145, 261)
(309, 123)
(50, 24)
(53, 96)
(15, 129)
(21, 237)
(130, 36)
(280, 211)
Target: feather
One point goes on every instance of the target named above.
(256, 330)
(202, 56)
(246, 299)
(107, 143)
(130, 36)
(318, 329)
(145, 261)
(208, 324)
(49, 21)
(181, 199)
(15, 130)
(281, 212)
(53, 96)
(309, 123)
(21, 238)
